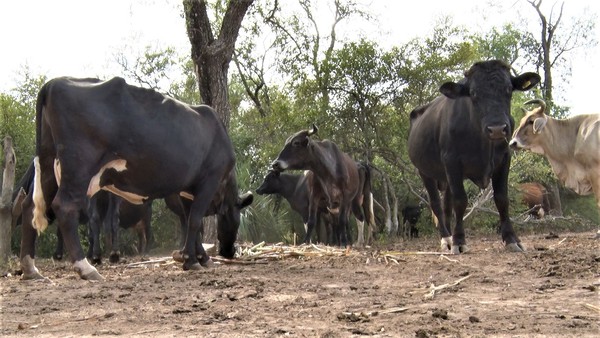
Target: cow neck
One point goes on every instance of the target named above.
(555, 148)
(322, 161)
(290, 184)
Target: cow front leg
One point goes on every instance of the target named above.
(58, 253)
(193, 248)
(111, 226)
(67, 216)
(455, 198)
(500, 186)
(312, 221)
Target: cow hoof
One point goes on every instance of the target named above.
(32, 275)
(195, 266)
(515, 247)
(208, 264)
(57, 257)
(92, 275)
(458, 249)
(114, 257)
(446, 244)
(96, 260)
(178, 256)
(29, 270)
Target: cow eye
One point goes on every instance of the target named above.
(296, 143)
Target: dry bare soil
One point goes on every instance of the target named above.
(550, 291)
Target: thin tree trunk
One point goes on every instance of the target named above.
(8, 181)
(211, 59)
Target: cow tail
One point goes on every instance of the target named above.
(368, 195)
(39, 222)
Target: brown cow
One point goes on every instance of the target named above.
(535, 197)
(570, 145)
(342, 182)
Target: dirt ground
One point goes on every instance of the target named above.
(552, 290)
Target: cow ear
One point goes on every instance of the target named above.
(538, 124)
(525, 81)
(245, 200)
(313, 130)
(454, 90)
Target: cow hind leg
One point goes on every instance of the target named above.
(437, 213)
(28, 238)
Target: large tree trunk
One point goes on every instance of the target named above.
(211, 59)
(8, 181)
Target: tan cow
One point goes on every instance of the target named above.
(572, 146)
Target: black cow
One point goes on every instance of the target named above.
(410, 218)
(463, 135)
(337, 178)
(136, 143)
(295, 190)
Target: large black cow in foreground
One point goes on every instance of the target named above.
(135, 143)
(344, 184)
(463, 134)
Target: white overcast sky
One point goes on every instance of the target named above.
(80, 37)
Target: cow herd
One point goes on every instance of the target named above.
(106, 149)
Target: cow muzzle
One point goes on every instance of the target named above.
(497, 132)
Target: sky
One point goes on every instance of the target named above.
(82, 37)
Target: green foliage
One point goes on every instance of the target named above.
(17, 118)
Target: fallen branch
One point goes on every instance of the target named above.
(238, 261)
(160, 260)
(434, 289)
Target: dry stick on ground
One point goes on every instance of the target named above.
(591, 307)
(433, 288)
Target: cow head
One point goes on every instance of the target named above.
(229, 205)
(271, 184)
(530, 128)
(296, 153)
(489, 85)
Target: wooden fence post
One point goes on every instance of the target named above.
(8, 182)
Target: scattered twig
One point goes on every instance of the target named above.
(449, 259)
(557, 244)
(433, 289)
(591, 307)
(160, 260)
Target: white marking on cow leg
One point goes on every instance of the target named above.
(361, 229)
(305, 227)
(29, 269)
(94, 186)
(39, 221)
(86, 270)
(57, 171)
(446, 244)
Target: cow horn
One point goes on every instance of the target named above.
(313, 130)
(538, 101)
